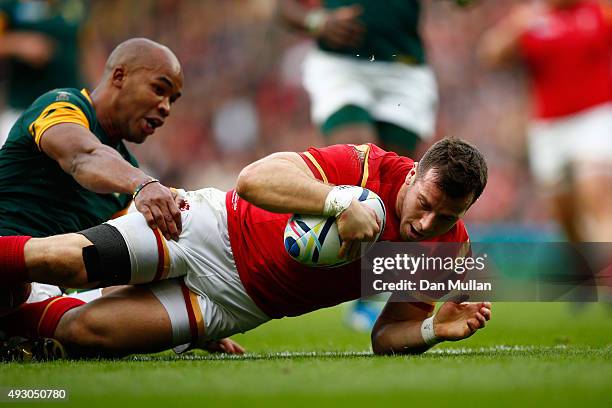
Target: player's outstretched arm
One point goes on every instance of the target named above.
(283, 183)
(404, 328)
(101, 169)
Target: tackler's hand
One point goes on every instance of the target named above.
(158, 205)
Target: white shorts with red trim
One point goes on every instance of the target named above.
(573, 146)
(212, 303)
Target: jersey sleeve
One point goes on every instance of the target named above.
(54, 108)
(339, 164)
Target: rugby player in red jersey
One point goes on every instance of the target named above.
(229, 271)
(566, 47)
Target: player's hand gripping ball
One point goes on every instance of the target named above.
(314, 240)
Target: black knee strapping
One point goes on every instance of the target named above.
(108, 260)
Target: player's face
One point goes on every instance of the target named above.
(147, 96)
(426, 211)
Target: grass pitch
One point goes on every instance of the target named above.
(530, 354)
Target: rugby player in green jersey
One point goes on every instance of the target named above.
(367, 79)
(64, 166)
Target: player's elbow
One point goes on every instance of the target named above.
(380, 342)
(247, 181)
(383, 344)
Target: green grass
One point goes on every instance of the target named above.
(529, 354)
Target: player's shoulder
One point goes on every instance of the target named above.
(63, 98)
(389, 164)
(66, 95)
(377, 152)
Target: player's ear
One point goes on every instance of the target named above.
(119, 75)
(411, 175)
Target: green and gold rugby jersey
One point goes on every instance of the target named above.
(37, 197)
(391, 31)
(61, 21)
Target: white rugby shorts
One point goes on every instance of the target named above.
(203, 294)
(401, 94)
(557, 147)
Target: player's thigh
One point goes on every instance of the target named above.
(127, 251)
(591, 147)
(196, 318)
(333, 82)
(406, 96)
(129, 320)
(152, 258)
(549, 146)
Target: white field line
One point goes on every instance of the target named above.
(351, 354)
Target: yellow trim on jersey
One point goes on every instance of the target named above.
(54, 114)
(317, 165)
(85, 93)
(366, 169)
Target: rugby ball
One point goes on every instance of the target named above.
(313, 240)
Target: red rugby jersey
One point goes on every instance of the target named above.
(278, 284)
(567, 51)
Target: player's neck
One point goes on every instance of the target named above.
(103, 110)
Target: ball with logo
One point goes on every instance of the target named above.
(314, 240)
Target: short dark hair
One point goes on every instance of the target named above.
(459, 166)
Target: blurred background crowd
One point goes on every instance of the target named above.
(243, 96)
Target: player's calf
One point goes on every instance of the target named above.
(57, 260)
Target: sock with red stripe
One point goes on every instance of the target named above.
(12, 260)
(38, 319)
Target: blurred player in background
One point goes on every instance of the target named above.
(566, 47)
(65, 167)
(40, 41)
(237, 272)
(368, 80)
